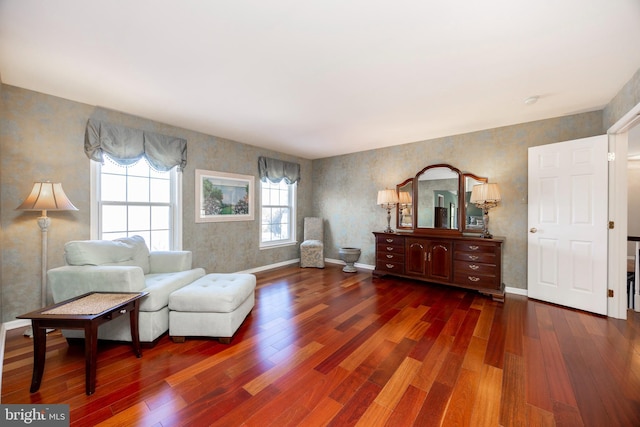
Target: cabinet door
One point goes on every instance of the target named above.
(416, 257)
(439, 261)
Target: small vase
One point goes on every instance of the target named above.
(349, 256)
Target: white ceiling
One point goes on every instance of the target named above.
(317, 78)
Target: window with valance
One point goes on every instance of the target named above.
(278, 181)
(133, 197)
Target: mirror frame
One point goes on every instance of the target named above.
(480, 179)
(433, 230)
(462, 208)
(399, 225)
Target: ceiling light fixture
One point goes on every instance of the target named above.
(531, 100)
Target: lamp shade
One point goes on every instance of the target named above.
(47, 196)
(404, 197)
(483, 193)
(387, 197)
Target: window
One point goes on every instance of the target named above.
(278, 219)
(136, 200)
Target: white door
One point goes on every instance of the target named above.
(567, 244)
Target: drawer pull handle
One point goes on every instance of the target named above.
(390, 256)
(474, 267)
(123, 311)
(389, 248)
(473, 278)
(389, 240)
(474, 247)
(473, 257)
(389, 265)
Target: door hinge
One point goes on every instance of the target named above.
(612, 225)
(611, 157)
(610, 293)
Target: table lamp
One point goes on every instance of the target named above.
(388, 199)
(485, 196)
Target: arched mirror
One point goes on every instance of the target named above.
(436, 198)
(404, 218)
(473, 222)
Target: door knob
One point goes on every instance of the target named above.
(533, 230)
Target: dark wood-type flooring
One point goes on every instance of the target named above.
(323, 347)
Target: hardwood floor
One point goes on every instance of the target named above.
(323, 347)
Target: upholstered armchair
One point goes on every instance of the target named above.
(312, 249)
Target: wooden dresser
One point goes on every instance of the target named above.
(466, 262)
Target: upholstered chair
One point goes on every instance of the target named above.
(312, 249)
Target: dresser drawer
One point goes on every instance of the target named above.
(476, 280)
(390, 240)
(479, 257)
(390, 267)
(475, 247)
(383, 248)
(475, 268)
(390, 257)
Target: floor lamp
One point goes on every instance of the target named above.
(45, 196)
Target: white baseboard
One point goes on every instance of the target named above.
(270, 266)
(15, 324)
(357, 264)
(297, 260)
(516, 291)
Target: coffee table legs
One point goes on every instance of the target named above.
(90, 355)
(90, 351)
(39, 350)
(89, 323)
(135, 336)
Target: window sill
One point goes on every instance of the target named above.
(278, 244)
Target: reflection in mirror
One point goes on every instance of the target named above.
(437, 197)
(405, 204)
(473, 222)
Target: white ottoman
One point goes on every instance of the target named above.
(212, 306)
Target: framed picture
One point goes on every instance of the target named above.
(223, 196)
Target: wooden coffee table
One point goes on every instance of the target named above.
(86, 312)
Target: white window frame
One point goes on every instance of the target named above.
(175, 202)
(292, 240)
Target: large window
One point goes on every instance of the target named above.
(137, 200)
(277, 203)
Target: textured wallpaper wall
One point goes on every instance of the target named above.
(345, 187)
(42, 137)
(627, 98)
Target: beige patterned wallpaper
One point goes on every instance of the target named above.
(42, 137)
(627, 98)
(345, 187)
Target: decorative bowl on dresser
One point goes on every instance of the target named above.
(441, 241)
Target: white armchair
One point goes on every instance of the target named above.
(312, 249)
